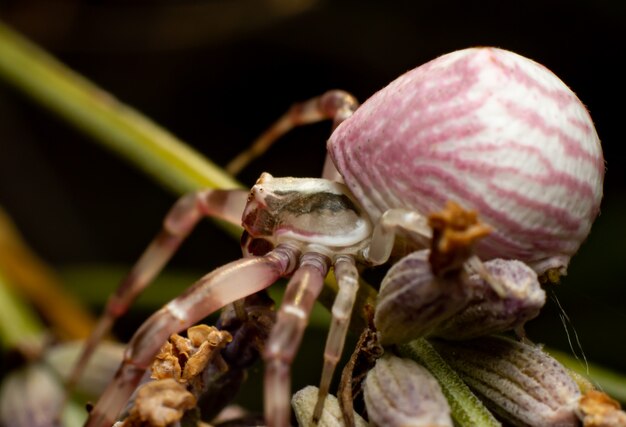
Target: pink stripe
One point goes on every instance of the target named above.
(358, 182)
(561, 215)
(562, 96)
(423, 144)
(477, 202)
(538, 243)
(534, 120)
(491, 169)
(582, 125)
(393, 110)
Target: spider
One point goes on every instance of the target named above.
(378, 185)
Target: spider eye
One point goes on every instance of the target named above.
(254, 245)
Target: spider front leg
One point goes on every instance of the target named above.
(391, 224)
(284, 340)
(336, 105)
(179, 222)
(224, 285)
(440, 228)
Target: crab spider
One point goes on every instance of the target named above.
(452, 129)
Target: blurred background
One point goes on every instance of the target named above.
(217, 73)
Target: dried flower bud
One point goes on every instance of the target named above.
(303, 403)
(455, 232)
(399, 392)
(159, 404)
(184, 358)
(249, 332)
(517, 381)
(412, 301)
(596, 409)
(487, 312)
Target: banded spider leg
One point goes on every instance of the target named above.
(179, 222)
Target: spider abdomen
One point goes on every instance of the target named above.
(491, 130)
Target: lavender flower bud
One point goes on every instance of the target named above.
(487, 312)
(412, 301)
(399, 392)
(519, 382)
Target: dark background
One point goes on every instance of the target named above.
(216, 73)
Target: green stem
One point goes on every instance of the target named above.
(467, 410)
(108, 121)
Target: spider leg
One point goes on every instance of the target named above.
(334, 104)
(348, 282)
(390, 224)
(178, 223)
(475, 265)
(284, 340)
(224, 285)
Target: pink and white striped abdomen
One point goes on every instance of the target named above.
(491, 130)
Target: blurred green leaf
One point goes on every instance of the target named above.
(109, 122)
(18, 323)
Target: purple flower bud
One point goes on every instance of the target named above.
(487, 312)
(399, 392)
(412, 301)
